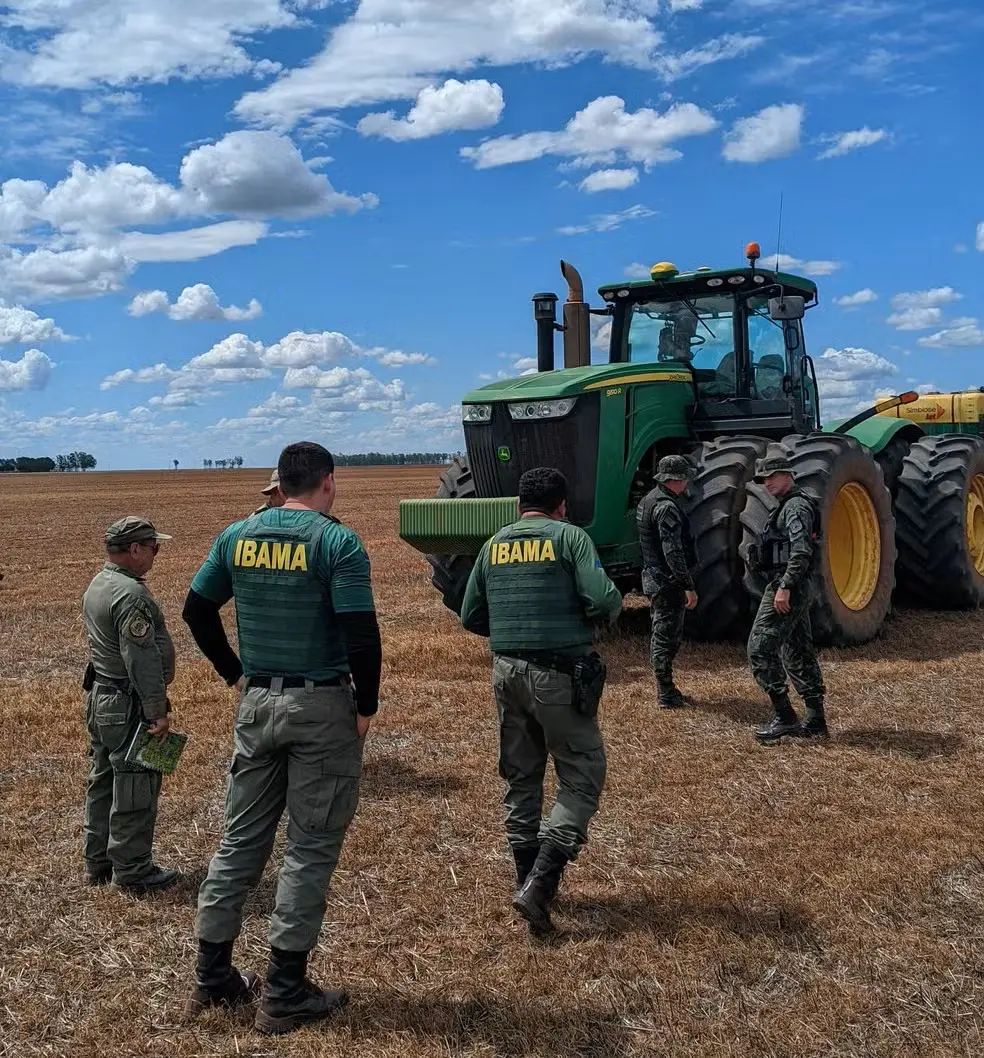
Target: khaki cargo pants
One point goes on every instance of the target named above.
(537, 720)
(120, 799)
(299, 749)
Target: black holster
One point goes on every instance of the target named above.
(588, 680)
(88, 677)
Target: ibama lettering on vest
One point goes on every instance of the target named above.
(502, 553)
(283, 556)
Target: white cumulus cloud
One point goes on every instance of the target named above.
(32, 371)
(609, 180)
(601, 133)
(42, 274)
(786, 263)
(198, 302)
(845, 142)
(772, 133)
(262, 173)
(918, 310)
(21, 326)
(853, 301)
(451, 107)
(962, 333)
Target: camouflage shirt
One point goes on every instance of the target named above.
(794, 530)
(664, 537)
(128, 640)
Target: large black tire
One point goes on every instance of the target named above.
(890, 459)
(451, 572)
(940, 516)
(856, 576)
(716, 500)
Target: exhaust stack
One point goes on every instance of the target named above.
(577, 333)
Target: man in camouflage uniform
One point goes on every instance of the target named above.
(537, 591)
(273, 493)
(781, 640)
(130, 667)
(307, 629)
(668, 557)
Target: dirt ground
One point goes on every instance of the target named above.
(733, 900)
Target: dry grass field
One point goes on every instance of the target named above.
(734, 900)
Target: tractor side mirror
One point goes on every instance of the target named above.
(789, 307)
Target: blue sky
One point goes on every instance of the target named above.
(225, 226)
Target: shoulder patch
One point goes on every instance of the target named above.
(137, 628)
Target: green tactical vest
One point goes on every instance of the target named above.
(286, 621)
(532, 595)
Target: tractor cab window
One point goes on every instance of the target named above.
(698, 333)
(766, 352)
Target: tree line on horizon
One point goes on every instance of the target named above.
(45, 464)
(358, 459)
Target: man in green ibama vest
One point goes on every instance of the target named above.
(307, 629)
(538, 592)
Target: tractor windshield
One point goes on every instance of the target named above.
(697, 332)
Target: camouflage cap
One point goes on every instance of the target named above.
(274, 483)
(132, 530)
(675, 468)
(772, 465)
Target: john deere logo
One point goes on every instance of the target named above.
(504, 454)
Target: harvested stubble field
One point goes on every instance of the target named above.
(734, 900)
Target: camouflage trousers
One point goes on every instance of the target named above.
(781, 645)
(537, 721)
(299, 749)
(667, 607)
(120, 798)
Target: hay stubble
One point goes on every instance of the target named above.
(733, 900)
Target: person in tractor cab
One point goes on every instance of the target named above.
(537, 591)
(781, 640)
(668, 559)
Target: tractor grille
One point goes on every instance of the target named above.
(569, 445)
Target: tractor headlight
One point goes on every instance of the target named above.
(476, 413)
(543, 409)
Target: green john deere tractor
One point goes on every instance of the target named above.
(712, 364)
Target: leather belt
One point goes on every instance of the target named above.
(295, 681)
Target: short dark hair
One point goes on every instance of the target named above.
(303, 466)
(542, 489)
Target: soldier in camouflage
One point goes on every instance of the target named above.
(274, 494)
(668, 558)
(131, 664)
(537, 591)
(781, 641)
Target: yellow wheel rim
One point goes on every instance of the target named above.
(854, 545)
(975, 522)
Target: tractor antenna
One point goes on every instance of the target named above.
(779, 235)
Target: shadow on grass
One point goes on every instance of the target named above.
(744, 711)
(499, 1025)
(616, 916)
(919, 635)
(920, 745)
(389, 778)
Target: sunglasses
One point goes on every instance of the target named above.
(154, 545)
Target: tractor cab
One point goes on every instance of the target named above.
(738, 335)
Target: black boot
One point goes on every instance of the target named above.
(534, 898)
(784, 721)
(525, 856)
(290, 999)
(218, 982)
(815, 725)
(669, 695)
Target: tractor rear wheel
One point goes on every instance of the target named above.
(451, 572)
(940, 513)
(716, 500)
(856, 576)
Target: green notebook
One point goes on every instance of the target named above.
(154, 753)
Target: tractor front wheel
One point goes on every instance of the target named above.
(854, 581)
(940, 512)
(451, 572)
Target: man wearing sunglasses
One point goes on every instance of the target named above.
(131, 664)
